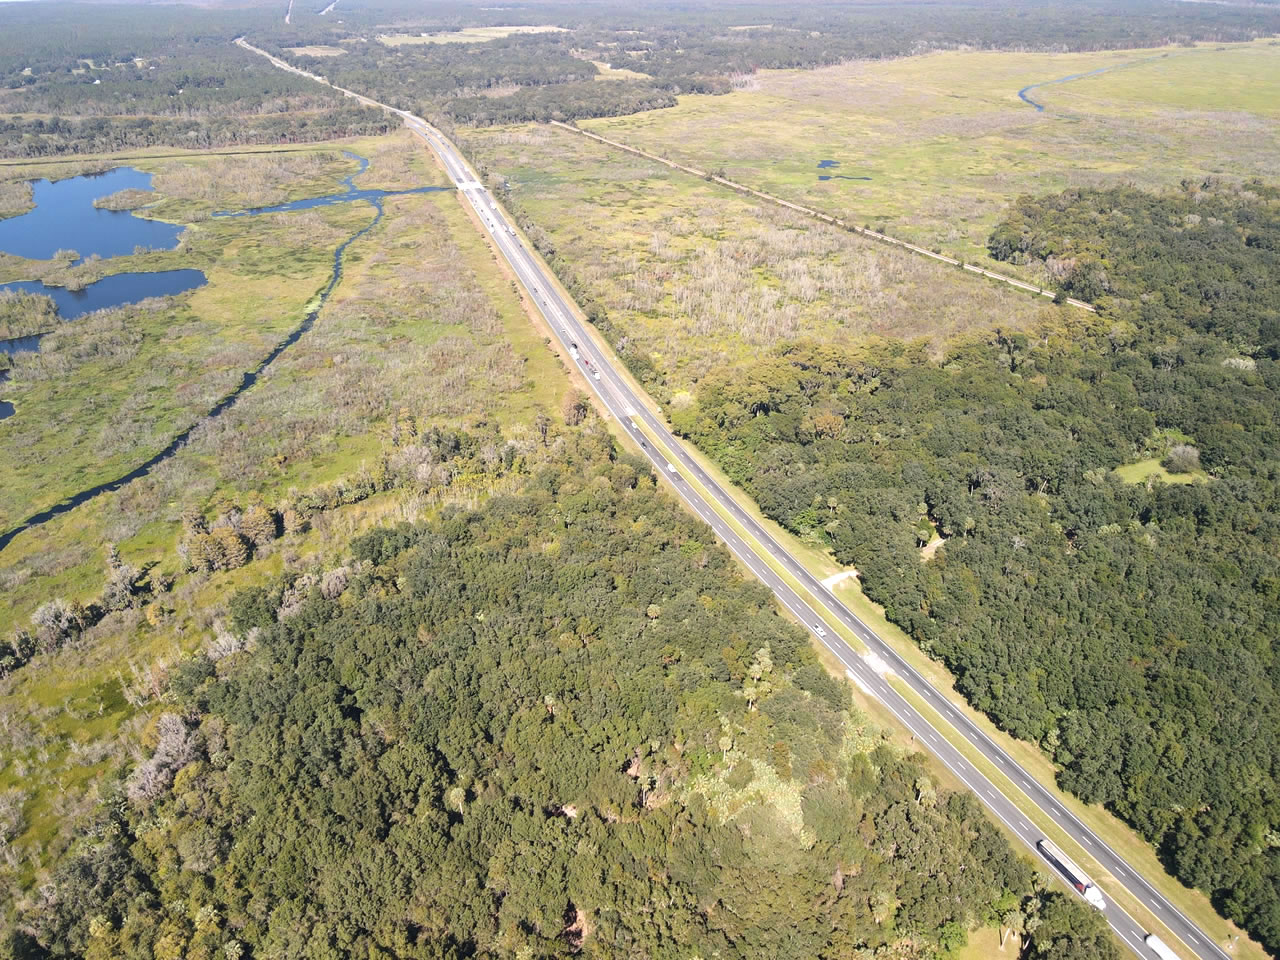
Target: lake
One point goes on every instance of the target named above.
(65, 218)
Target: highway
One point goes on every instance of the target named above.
(802, 593)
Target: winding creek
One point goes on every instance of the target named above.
(1022, 94)
(351, 193)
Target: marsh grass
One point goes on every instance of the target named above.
(15, 198)
(699, 276)
(948, 144)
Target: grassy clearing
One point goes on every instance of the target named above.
(422, 328)
(948, 144)
(609, 72)
(1145, 470)
(465, 35)
(699, 277)
(316, 50)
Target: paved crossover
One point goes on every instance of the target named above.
(800, 591)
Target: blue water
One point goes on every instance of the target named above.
(20, 345)
(6, 409)
(350, 194)
(113, 291)
(65, 218)
(828, 164)
(374, 198)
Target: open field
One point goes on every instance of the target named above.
(465, 35)
(424, 331)
(1144, 470)
(947, 144)
(316, 50)
(697, 276)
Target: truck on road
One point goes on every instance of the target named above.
(1160, 948)
(1079, 879)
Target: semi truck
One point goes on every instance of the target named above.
(1079, 879)
(1160, 948)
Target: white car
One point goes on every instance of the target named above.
(822, 634)
(671, 468)
(595, 373)
(573, 352)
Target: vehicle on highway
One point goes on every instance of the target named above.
(671, 468)
(595, 373)
(573, 350)
(1079, 879)
(1160, 948)
(822, 633)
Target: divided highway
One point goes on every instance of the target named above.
(816, 607)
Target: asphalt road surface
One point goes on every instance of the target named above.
(870, 671)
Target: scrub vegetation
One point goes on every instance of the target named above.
(422, 334)
(690, 277)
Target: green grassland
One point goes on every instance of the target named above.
(948, 144)
(699, 276)
(424, 327)
(1145, 470)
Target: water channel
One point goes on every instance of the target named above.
(827, 165)
(1022, 94)
(351, 193)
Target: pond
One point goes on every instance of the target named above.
(6, 408)
(113, 291)
(65, 218)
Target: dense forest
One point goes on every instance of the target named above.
(165, 77)
(115, 81)
(1129, 628)
(560, 724)
(683, 48)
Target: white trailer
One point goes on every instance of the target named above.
(1079, 879)
(1160, 948)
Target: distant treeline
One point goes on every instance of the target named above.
(58, 136)
(700, 49)
(105, 81)
(106, 61)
